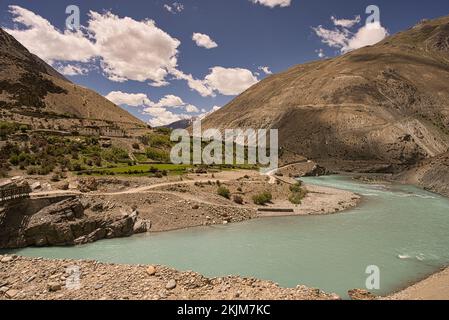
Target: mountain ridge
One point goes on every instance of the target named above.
(28, 84)
(386, 104)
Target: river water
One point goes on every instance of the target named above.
(401, 229)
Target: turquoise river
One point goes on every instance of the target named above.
(401, 229)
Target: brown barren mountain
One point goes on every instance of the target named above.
(378, 108)
(30, 86)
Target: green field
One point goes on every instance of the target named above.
(153, 169)
(139, 170)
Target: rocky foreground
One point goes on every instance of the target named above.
(38, 222)
(39, 279)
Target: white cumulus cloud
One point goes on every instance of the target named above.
(226, 81)
(133, 50)
(366, 36)
(127, 49)
(174, 8)
(194, 84)
(71, 69)
(192, 109)
(273, 3)
(203, 40)
(129, 99)
(169, 101)
(266, 70)
(346, 23)
(342, 38)
(162, 116)
(230, 81)
(47, 42)
(206, 113)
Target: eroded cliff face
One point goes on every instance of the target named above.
(431, 174)
(47, 222)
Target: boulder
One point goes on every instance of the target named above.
(54, 286)
(36, 186)
(80, 240)
(361, 294)
(151, 270)
(11, 293)
(140, 226)
(4, 289)
(7, 259)
(96, 235)
(171, 284)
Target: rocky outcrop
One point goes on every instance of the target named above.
(361, 294)
(63, 223)
(317, 171)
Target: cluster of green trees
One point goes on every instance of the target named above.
(263, 198)
(43, 154)
(157, 145)
(8, 128)
(157, 155)
(298, 193)
(260, 199)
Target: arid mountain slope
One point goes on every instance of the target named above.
(386, 104)
(28, 84)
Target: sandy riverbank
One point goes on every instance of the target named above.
(38, 279)
(192, 204)
(435, 287)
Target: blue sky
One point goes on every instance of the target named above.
(248, 36)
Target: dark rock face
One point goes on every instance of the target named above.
(61, 223)
(432, 174)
